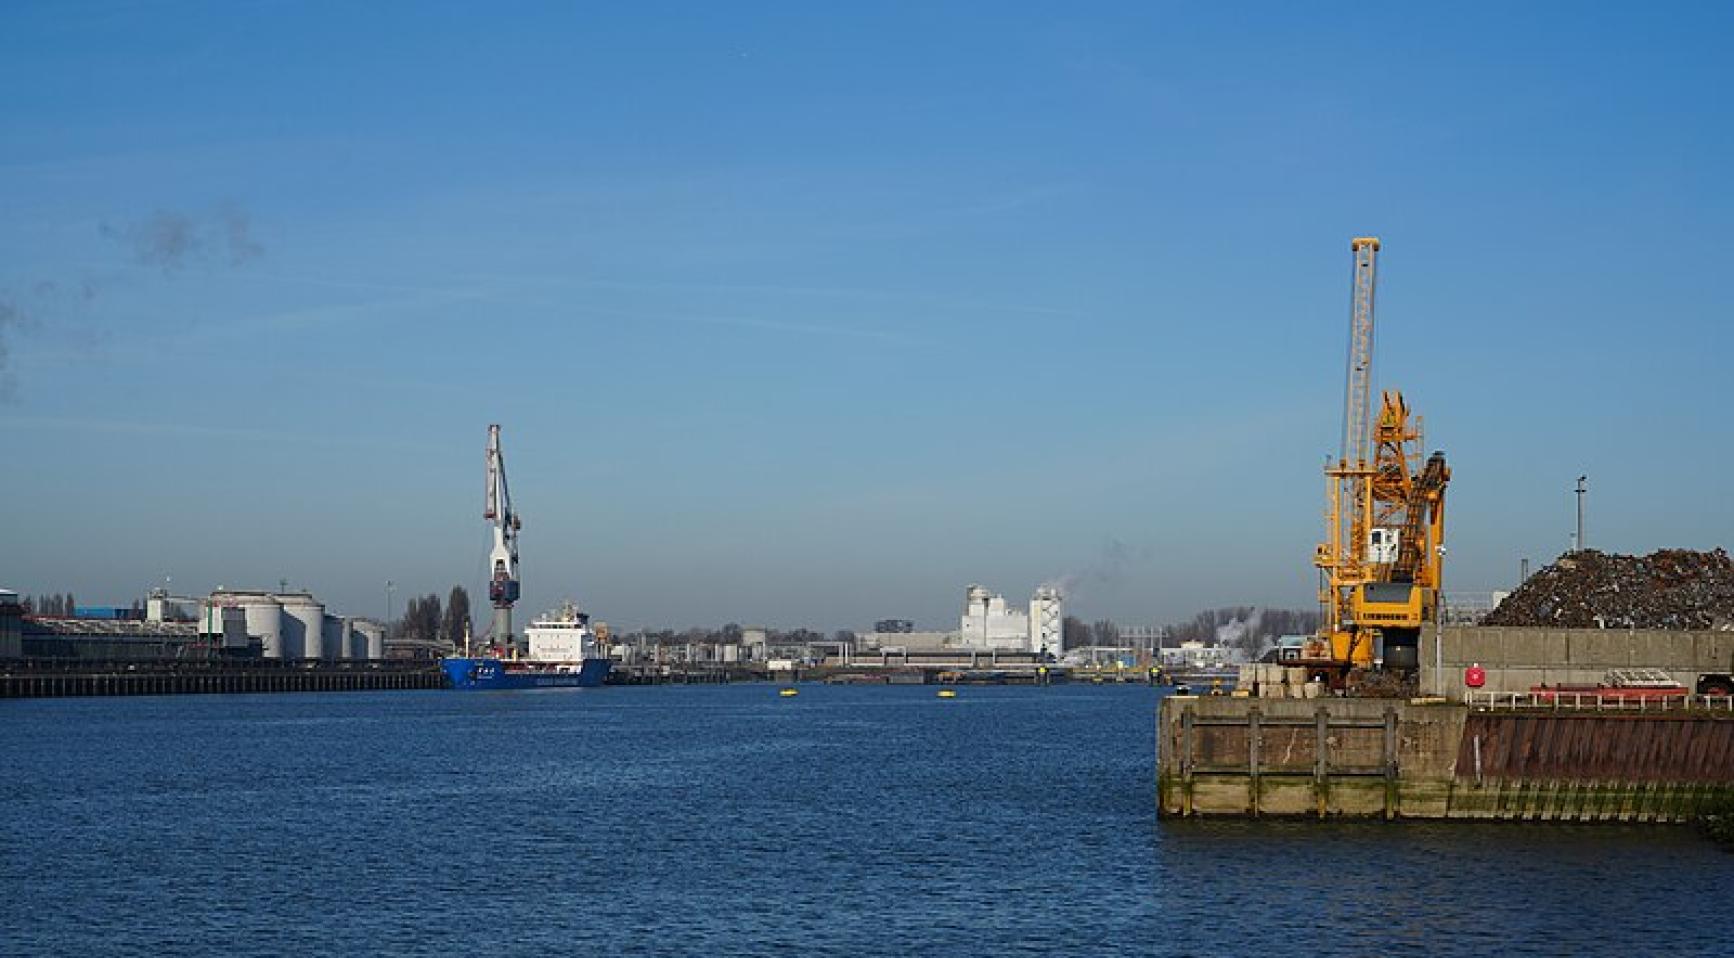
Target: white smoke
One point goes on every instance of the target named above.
(1235, 631)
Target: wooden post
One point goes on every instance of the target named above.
(1186, 745)
(1390, 763)
(1321, 766)
(1252, 742)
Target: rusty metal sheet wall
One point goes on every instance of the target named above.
(1604, 747)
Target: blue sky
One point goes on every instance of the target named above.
(802, 315)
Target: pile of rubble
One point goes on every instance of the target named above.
(1670, 589)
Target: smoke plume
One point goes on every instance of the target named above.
(169, 240)
(1108, 568)
(10, 316)
(166, 240)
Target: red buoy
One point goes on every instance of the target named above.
(1475, 676)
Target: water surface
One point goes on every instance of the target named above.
(729, 821)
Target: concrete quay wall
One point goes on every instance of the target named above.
(1394, 759)
(1515, 659)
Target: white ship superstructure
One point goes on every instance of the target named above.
(563, 635)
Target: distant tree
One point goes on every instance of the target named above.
(1074, 632)
(732, 632)
(1105, 633)
(845, 636)
(421, 619)
(457, 617)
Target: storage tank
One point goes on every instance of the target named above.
(262, 615)
(303, 626)
(347, 635)
(372, 639)
(335, 638)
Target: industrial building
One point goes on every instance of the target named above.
(987, 624)
(228, 623)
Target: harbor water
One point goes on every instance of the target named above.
(732, 821)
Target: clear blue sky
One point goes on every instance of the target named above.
(801, 315)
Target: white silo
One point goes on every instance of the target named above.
(303, 626)
(263, 616)
(372, 639)
(334, 642)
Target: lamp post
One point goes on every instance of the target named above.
(1580, 491)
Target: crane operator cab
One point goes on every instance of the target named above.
(1396, 610)
(1382, 545)
(502, 588)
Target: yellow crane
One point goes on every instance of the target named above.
(1380, 565)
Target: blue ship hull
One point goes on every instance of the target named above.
(493, 674)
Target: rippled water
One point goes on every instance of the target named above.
(728, 821)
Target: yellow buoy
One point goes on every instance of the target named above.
(788, 693)
(948, 693)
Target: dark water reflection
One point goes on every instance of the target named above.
(728, 821)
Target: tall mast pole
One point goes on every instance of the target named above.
(1581, 489)
(1357, 459)
(1357, 400)
(1342, 558)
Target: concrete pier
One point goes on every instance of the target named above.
(1398, 759)
(1516, 659)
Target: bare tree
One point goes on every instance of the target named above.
(456, 621)
(421, 619)
(1105, 633)
(1074, 632)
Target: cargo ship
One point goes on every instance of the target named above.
(564, 652)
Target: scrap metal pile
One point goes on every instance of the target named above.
(1669, 589)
